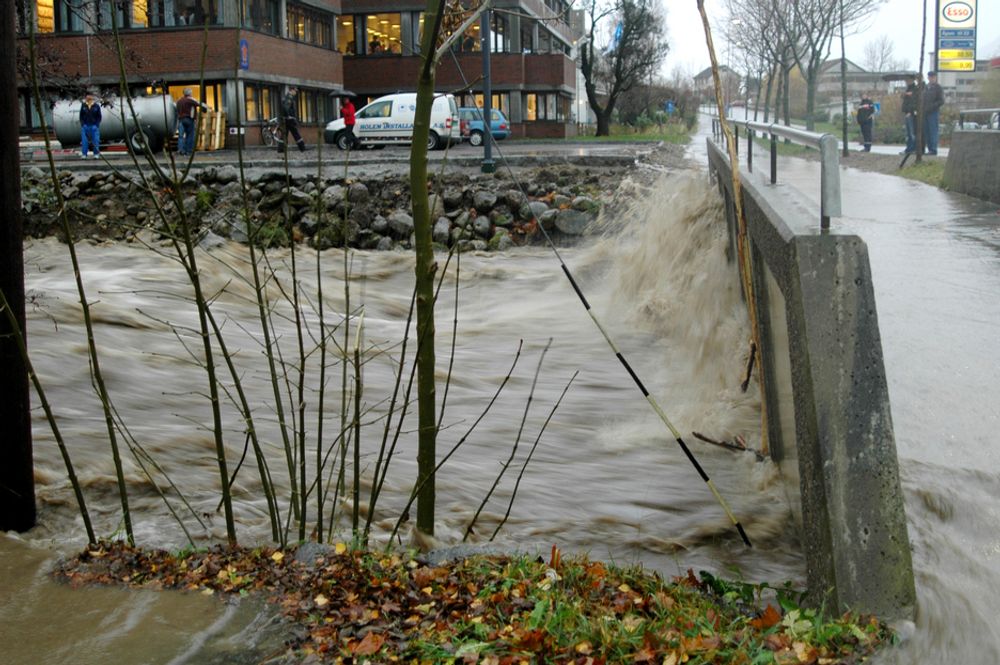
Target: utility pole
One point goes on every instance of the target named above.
(489, 166)
(17, 483)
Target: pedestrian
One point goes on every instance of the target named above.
(187, 107)
(866, 119)
(933, 101)
(910, 114)
(290, 113)
(90, 127)
(347, 113)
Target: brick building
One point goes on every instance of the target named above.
(254, 49)
(249, 59)
(533, 74)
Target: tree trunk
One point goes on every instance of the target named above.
(811, 99)
(17, 486)
(425, 269)
(603, 124)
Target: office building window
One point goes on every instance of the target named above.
(261, 15)
(498, 34)
(383, 34)
(501, 101)
(346, 42)
(307, 105)
(261, 102)
(309, 25)
(544, 107)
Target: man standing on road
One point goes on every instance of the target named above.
(933, 101)
(90, 127)
(910, 114)
(866, 118)
(187, 106)
(290, 117)
(347, 112)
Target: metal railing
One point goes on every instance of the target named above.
(994, 116)
(827, 144)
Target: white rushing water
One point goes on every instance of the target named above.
(606, 479)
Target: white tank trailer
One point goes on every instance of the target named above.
(155, 118)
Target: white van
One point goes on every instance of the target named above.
(389, 120)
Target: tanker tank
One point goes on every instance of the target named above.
(155, 117)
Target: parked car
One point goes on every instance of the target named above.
(389, 120)
(473, 127)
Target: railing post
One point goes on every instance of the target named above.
(750, 134)
(961, 120)
(736, 140)
(774, 159)
(829, 187)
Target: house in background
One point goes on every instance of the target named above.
(731, 82)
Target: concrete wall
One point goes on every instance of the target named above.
(973, 165)
(829, 422)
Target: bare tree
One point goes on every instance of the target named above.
(878, 55)
(632, 46)
(816, 22)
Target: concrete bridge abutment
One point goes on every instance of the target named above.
(829, 421)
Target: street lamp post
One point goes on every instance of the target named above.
(488, 165)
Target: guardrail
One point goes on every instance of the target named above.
(993, 113)
(827, 144)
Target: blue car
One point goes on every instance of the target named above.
(471, 123)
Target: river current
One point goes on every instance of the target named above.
(606, 479)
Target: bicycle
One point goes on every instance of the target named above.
(272, 134)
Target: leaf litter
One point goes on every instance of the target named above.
(349, 605)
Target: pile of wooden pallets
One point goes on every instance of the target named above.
(211, 132)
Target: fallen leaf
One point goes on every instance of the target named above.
(277, 557)
(584, 648)
(371, 643)
(806, 654)
(321, 600)
(340, 548)
(769, 617)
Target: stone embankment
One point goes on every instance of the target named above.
(469, 211)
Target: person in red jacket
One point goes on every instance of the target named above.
(347, 113)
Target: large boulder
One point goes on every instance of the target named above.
(482, 226)
(572, 222)
(452, 197)
(401, 224)
(358, 193)
(442, 229)
(533, 209)
(484, 200)
(333, 195)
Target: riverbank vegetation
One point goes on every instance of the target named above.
(349, 605)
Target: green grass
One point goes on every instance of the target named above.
(668, 133)
(929, 171)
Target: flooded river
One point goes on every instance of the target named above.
(606, 479)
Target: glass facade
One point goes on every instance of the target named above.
(346, 43)
(262, 15)
(548, 106)
(383, 34)
(309, 25)
(261, 101)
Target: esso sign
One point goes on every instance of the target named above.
(957, 12)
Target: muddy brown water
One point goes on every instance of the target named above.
(606, 479)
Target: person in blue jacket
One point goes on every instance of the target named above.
(90, 127)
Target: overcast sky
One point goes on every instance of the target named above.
(899, 20)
